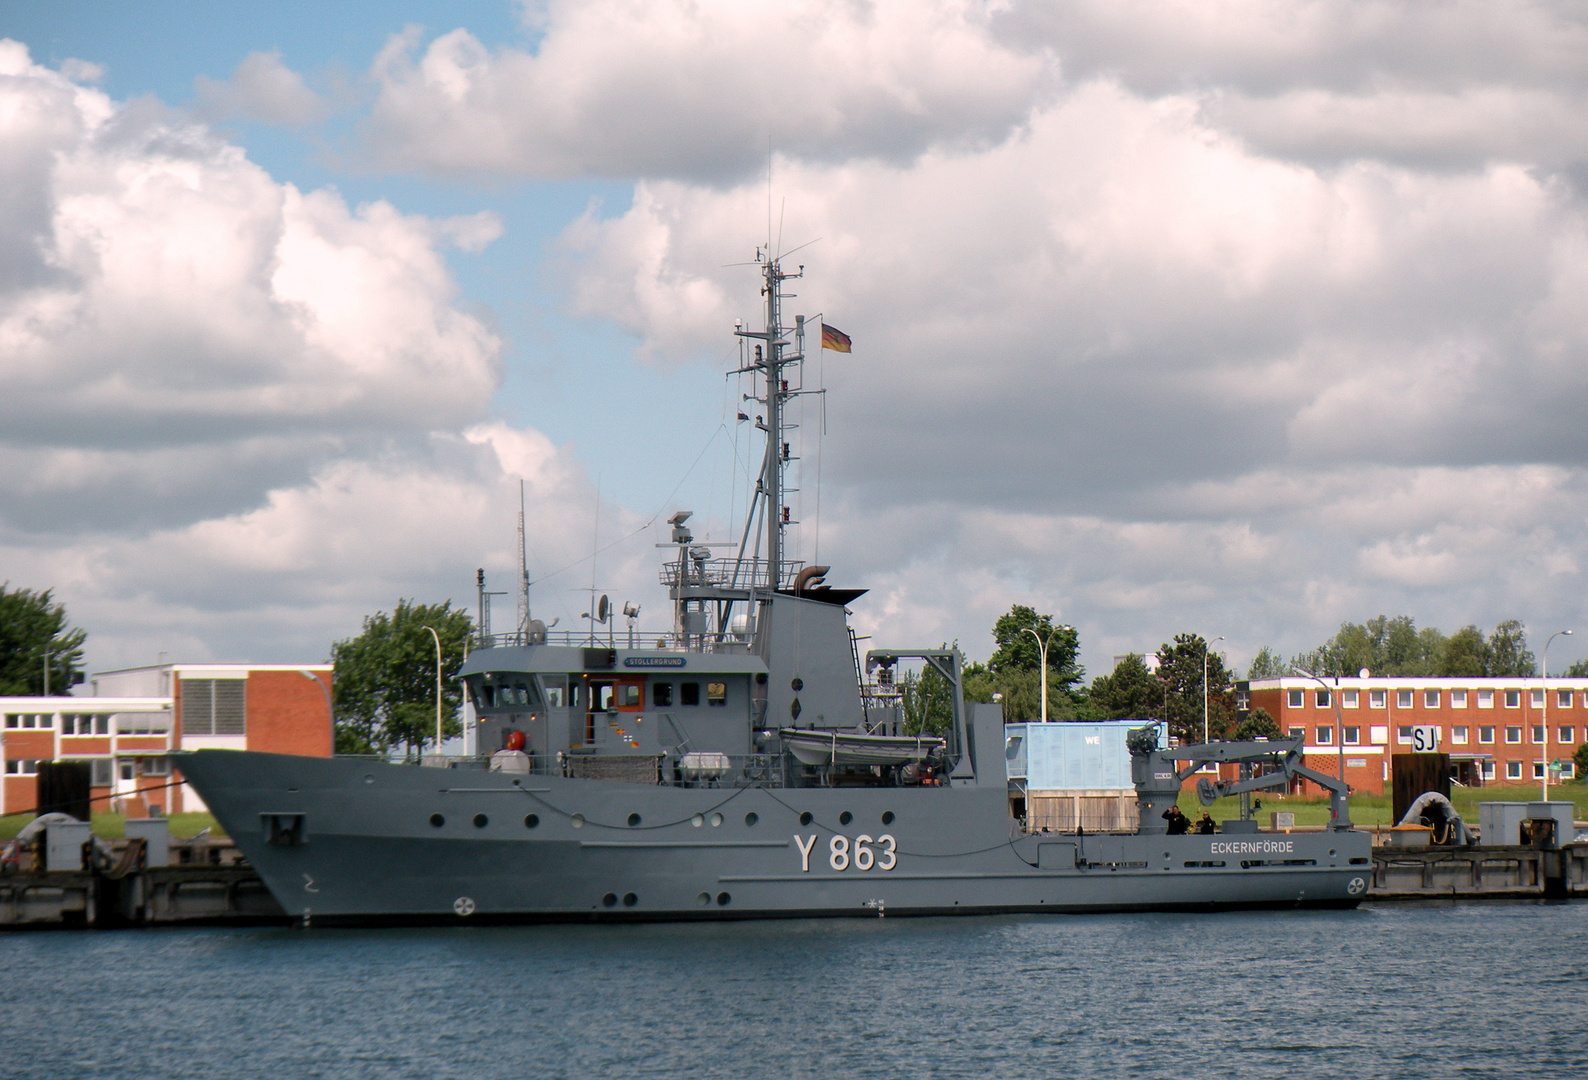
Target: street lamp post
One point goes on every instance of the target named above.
(1205, 645)
(1042, 652)
(1543, 715)
(329, 711)
(438, 686)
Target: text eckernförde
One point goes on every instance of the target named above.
(1251, 847)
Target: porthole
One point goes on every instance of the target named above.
(437, 820)
(531, 820)
(577, 821)
(369, 779)
(751, 818)
(1331, 853)
(698, 820)
(610, 900)
(703, 900)
(845, 818)
(629, 899)
(887, 817)
(805, 818)
(723, 899)
(634, 820)
(481, 821)
(716, 820)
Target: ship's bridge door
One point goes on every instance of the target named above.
(609, 696)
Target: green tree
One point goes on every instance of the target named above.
(1384, 645)
(1018, 650)
(31, 626)
(1508, 652)
(385, 682)
(1267, 664)
(1466, 655)
(928, 702)
(1578, 670)
(1180, 667)
(1580, 759)
(1258, 725)
(1129, 692)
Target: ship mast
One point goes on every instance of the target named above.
(770, 360)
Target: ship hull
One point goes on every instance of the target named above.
(354, 840)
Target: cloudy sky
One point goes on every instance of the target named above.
(1243, 318)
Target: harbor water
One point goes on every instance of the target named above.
(1494, 989)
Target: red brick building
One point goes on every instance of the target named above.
(132, 720)
(1496, 731)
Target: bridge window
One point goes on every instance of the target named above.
(661, 695)
(689, 693)
(716, 693)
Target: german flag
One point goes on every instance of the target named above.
(834, 339)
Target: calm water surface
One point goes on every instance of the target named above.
(1480, 990)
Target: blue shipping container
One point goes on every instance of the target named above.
(1071, 757)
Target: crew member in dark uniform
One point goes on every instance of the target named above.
(1178, 822)
(1205, 823)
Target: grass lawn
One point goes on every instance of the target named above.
(113, 826)
(1376, 810)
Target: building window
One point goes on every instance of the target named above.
(1323, 699)
(1375, 699)
(1353, 736)
(214, 707)
(1325, 736)
(1566, 734)
(100, 772)
(1513, 770)
(1243, 700)
(1485, 699)
(1563, 699)
(1568, 770)
(22, 767)
(1458, 699)
(85, 723)
(1536, 698)
(1513, 734)
(1488, 770)
(155, 766)
(1292, 699)
(1513, 699)
(1301, 733)
(1403, 734)
(1538, 734)
(1348, 698)
(30, 720)
(716, 693)
(126, 769)
(1485, 734)
(1458, 734)
(1430, 699)
(1403, 699)
(1538, 770)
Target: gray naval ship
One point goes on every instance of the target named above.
(748, 764)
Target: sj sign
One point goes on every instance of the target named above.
(1425, 738)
